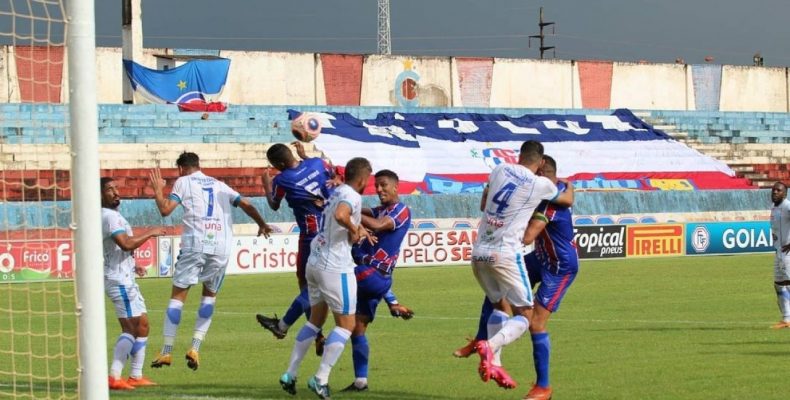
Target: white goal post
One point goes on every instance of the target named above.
(85, 200)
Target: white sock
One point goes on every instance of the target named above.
(138, 357)
(495, 323)
(172, 319)
(333, 348)
(513, 329)
(283, 326)
(203, 321)
(783, 299)
(122, 348)
(360, 382)
(304, 339)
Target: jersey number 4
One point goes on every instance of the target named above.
(502, 197)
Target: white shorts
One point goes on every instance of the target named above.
(781, 266)
(503, 276)
(193, 267)
(337, 290)
(127, 299)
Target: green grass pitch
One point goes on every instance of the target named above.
(671, 328)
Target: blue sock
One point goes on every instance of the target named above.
(360, 354)
(541, 351)
(485, 312)
(297, 308)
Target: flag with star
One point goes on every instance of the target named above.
(195, 81)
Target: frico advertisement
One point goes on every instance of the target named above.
(729, 237)
(655, 240)
(35, 260)
(604, 241)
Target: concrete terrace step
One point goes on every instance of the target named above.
(742, 168)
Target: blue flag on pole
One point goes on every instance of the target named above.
(196, 80)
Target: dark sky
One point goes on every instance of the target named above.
(731, 31)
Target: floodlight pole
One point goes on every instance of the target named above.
(383, 37)
(542, 36)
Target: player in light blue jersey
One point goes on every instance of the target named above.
(330, 277)
(119, 270)
(494, 317)
(780, 230)
(206, 243)
(305, 185)
(375, 265)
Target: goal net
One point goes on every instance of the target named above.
(39, 306)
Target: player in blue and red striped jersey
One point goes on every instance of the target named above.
(375, 264)
(554, 264)
(305, 185)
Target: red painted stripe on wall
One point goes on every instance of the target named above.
(474, 79)
(596, 83)
(342, 79)
(39, 73)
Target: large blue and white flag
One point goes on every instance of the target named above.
(196, 80)
(454, 152)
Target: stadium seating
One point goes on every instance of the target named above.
(135, 138)
(756, 144)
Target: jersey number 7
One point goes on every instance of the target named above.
(209, 201)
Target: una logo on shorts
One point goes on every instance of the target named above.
(700, 239)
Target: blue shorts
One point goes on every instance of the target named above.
(371, 288)
(552, 285)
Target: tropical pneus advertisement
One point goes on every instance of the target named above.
(600, 241)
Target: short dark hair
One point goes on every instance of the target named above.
(104, 181)
(387, 174)
(550, 161)
(278, 153)
(532, 151)
(188, 159)
(356, 167)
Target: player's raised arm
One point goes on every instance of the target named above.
(535, 227)
(166, 205)
(343, 217)
(565, 198)
(268, 190)
(249, 209)
(129, 243)
(483, 199)
(383, 223)
(300, 150)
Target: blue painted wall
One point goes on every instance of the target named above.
(143, 212)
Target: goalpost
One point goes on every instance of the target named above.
(52, 316)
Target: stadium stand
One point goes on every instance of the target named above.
(755, 144)
(135, 138)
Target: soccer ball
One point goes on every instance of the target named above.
(306, 127)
